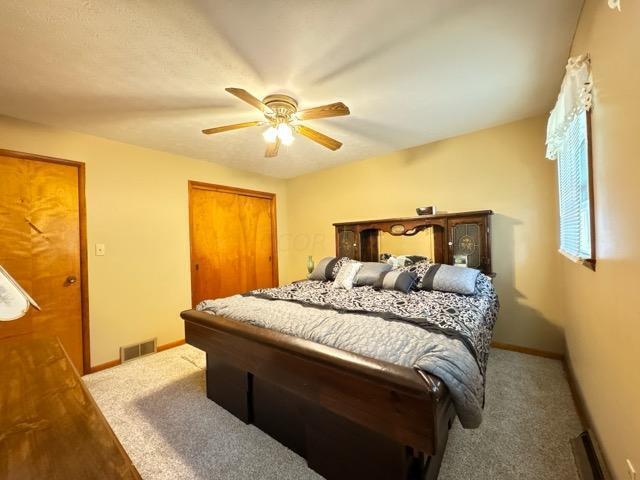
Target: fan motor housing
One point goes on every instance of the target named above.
(282, 105)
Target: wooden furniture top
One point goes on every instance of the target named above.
(398, 402)
(456, 235)
(426, 218)
(50, 426)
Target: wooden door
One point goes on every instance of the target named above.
(40, 246)
(233, 241)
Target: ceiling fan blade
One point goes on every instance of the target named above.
(250, 99)
(318, 137)
(332, 110)
(235, 126)
(272, 148)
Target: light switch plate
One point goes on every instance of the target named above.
(100, 249)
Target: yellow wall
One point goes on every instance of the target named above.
(501, 168)
(603, 313)
(137, 205)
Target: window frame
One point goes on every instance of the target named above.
(587, 262)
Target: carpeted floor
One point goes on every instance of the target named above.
(157, 407)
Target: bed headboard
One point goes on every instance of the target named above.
(464, 235)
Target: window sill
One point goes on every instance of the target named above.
(590, 263)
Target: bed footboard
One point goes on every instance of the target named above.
(350, 416)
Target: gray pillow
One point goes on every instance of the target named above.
(327, 268)
(447, 278)
(420, 269)
(396, 280)
(370, 272)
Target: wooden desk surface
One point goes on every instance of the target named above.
(50, 426)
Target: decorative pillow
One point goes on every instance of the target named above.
(346, 275)
(447, 278)
(402, 260)
(396, 280)
(393, 261)
(336, 268)
(420, 269)
(411, 259)
(327, 268)
(369, 273)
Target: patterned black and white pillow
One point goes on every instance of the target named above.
(420, 269)
(327, 268)
(338, 265)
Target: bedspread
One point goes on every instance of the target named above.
(450, 356)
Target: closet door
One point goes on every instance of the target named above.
(40, 247)
(233, 246)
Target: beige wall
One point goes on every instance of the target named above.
(137, 205)
(603, 312)
(502, 169)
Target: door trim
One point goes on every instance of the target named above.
(195, 185)
(84, 271)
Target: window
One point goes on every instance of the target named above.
(575, 192)
(568, 142)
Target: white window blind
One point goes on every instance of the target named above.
(574, 190)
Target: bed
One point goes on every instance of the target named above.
(331, 374)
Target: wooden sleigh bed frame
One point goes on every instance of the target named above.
(348, 415)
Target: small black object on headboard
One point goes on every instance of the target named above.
(430, 210)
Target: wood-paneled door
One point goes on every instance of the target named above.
(233, 240)
(43, 246)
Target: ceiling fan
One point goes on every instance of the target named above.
(282, 115)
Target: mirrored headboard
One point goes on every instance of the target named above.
(453, 238)
(419, 244)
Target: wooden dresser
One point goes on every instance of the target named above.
(50, 426)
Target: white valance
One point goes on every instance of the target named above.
(574, 98)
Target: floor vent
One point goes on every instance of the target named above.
(588, 458)
(136, 350)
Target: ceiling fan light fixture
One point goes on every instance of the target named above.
(285, 133)
(270, 135)
(279, 112)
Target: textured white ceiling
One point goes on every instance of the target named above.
(153, 73)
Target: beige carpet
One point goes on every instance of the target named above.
(158, 408)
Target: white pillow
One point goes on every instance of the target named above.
(399, 261)
(346, 275)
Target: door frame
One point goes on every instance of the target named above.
(82, 216)
(195, 185)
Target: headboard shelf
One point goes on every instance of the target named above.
(422, 218)
(461, 235)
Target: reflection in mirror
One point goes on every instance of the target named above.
(419, 244)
